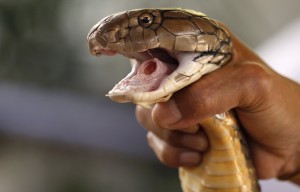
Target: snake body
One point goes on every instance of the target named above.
(170, 49)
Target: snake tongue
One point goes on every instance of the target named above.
(144, 77)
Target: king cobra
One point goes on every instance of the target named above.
(170, 49)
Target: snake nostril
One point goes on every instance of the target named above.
(95, 47)
(96, 51)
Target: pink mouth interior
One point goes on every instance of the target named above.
(148, 68)
(148, 77)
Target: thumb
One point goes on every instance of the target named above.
(239, 85)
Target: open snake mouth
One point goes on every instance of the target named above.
(153, 73)
(157, 73)
(149, 69)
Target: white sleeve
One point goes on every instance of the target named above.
(282, 50)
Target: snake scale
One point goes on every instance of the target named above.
(170, 49)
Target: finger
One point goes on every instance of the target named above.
(197, 141)
(172, 156)
(233, 86)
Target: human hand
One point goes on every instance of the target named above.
(266, 104)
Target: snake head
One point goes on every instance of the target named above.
(125, 32)
(169, 49)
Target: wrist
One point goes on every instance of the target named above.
(293, 176)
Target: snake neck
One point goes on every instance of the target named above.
(226, 165)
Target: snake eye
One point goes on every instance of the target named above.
(146, 19)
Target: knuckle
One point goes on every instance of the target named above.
(257, 73)
(257, 78)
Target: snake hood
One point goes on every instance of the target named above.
(169, 48)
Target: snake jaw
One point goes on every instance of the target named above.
(149, 69)
(156, 74)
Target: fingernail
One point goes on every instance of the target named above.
(167, 113)
(189, 158)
